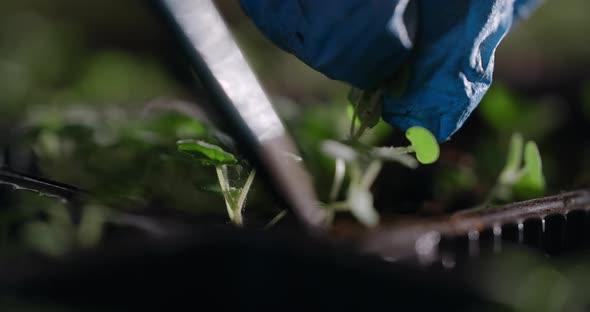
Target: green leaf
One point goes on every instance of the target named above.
(368, 106)
(424, 144)
(533, 162)
(378, 134)
(532, 183)
(365, 113)
(511, 171)
(207, 153)
(351, 114)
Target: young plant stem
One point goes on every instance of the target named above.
(353, 122)
(275, 220)
(354, 133)
(357, 201)
(339, 206)
(244, 192)
(238, 220)
(339, 173)
(405, 150)
(502, 184)
(355, 173)
(371, 174)
(235, 215)
(356, 136)
(487, 201)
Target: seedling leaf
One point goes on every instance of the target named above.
(532, 182)
(532, 158)
(533, 177)
(368, 109)
(207, 153)
(511, 171)
(351, 115)
(424, 144)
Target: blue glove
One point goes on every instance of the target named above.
(448, 46)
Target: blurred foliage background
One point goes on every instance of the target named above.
(95, 94)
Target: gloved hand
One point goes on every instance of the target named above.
(448, 46)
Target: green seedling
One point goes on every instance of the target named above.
(364, 164)
(424, 144)
(213, 155)
(366, 114)
(532, 182)
(526, 179)
(511, 172)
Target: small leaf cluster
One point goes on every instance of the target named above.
(523, 173)
(364, 162)
(214, 155)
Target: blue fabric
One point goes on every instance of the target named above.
(448, 45)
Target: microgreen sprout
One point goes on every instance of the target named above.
(526, 180)
(214, 155)
(364, 163)
(424, 144)
(532, 182)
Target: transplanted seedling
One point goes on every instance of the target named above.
(511, 172)
(214, 155)
(525, 180)
(364, 164)
(532, 182)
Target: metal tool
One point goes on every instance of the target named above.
(43, 187)
(236, 94)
